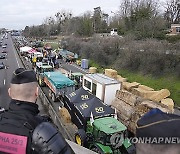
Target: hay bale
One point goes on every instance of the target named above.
(145, 88)
(155, 96)
(121, 79)
(132, 127)
(64, 114)
(123, 109)
(151, 105)
(169, 103)
(111, 73)
(159, 95)
(140, 92)
(92, 70)
(128, 86)
(127, 97)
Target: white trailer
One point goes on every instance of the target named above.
(102, 86)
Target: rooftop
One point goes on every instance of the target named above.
(101, 78)
(109, 125)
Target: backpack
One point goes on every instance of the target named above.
(20, 140)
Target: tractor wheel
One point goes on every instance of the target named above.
(80, 137)
(97, 149)
(53, 97)
(41, 82)
(37, 78)
(50, 93)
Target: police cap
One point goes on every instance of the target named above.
(157, 124)
(22, 75)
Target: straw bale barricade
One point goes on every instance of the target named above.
(130, 108)
(134, 100)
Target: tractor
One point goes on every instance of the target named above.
(98, 127)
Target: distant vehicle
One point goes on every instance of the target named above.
(4, 46)
(2, 56)
(2, 66)
(114, 31)
(4, 51)
(67, 56)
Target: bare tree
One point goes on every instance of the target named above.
(172, 12)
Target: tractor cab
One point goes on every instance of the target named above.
(40, 69)
(77, 77)
(110, 134)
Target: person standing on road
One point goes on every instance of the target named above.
(22, 130)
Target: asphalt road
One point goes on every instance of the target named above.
(12, 62)
(72, 67)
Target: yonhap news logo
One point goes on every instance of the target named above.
(155, 140)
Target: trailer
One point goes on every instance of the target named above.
(58, 84)
(101, 86)
(98, 128)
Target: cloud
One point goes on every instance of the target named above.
(19, 13)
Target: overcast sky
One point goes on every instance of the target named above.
(16, 14)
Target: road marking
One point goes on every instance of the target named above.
(16, 58)
(4, 81)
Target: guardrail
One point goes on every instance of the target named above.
(54, 116)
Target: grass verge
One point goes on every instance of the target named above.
(169, 82)
(166, 82)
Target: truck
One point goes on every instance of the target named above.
(39, 69)
(58, 85)
(98, 128)
(101, 86)
(67, 55)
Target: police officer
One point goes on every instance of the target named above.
(158, 133)
(22, 130)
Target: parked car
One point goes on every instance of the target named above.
(4, 51)
(2, 56)
(2, 66)
(4, 46)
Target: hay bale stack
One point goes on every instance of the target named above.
(64, 114)
(169, 103)
(130, 108)
(128, 86)
(155, 96)
(127, 97)
(121, 79)
(92, 70)
(124, 113)
(111, 73)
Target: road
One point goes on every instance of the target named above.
(12, 62)
(72, 67)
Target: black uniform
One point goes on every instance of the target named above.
(23, 131)
(21, 119)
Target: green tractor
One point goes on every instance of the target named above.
(105, 136)
(40, 69)
(98, 129)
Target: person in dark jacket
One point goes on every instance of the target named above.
(22, 130)
(158, 133)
